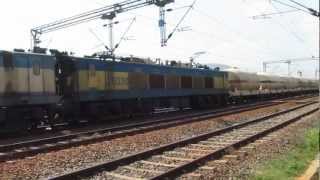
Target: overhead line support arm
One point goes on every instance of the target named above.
(92, 15)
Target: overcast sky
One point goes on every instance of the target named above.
(224, 29)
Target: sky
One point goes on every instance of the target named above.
(224, 30)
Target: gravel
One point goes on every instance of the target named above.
(54, 163)
(169, 161)
(276, 143)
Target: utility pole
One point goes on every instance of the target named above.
(264, 67)
(106, 12)
(110, 25)
(314, 13)
(289, 69)
(288, 62)
(162, 26)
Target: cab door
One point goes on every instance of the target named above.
(65, 76)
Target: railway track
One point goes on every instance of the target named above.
(29, 148)
(181, 157)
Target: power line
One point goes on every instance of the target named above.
(288, 5)
(265, 15)
(197, 33)
(181, 20)
(286, 27)
(213, 19)
(290, 31)
(309, 10)
(312, 11)
(299, 4)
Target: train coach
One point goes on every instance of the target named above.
(37, 89)
(244, 86)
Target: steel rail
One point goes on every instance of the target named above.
(113, 164)
(222, 151)
(7, 152)
(5, 147)
(33, 147)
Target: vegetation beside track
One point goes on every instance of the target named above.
(294, 162)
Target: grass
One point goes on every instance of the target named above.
(293, 163)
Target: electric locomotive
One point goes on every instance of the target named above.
(37, 89)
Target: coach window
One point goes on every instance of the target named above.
(36, 68)
(92, 69)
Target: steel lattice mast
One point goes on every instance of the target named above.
(107, 12)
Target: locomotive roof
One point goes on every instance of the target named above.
(99, 62)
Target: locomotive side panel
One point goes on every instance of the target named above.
(7, 75)
(18, 83)
(198, 82)
(209, 82)
(91, 76)
(117, 80)
(41, 79)
(35, 72)
(172, 81)
(156, 81)
(83, 80)
(186, 82)
(96, 77)
(218, 82)
(49, 76)
(27, 89)
(27, 79)
(138, 81)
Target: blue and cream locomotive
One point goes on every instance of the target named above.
(40, 89)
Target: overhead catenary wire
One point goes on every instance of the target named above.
(291, 32)
(312, 11)
(181, 51)
(99, 39)
(181, 20)
(288, 30)
(103, 43)
(288, 5)
(125, 32)
(198, 33)
(299, 4)
(275, 13)
(257, 46)
(308, 11)
(107, 12)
